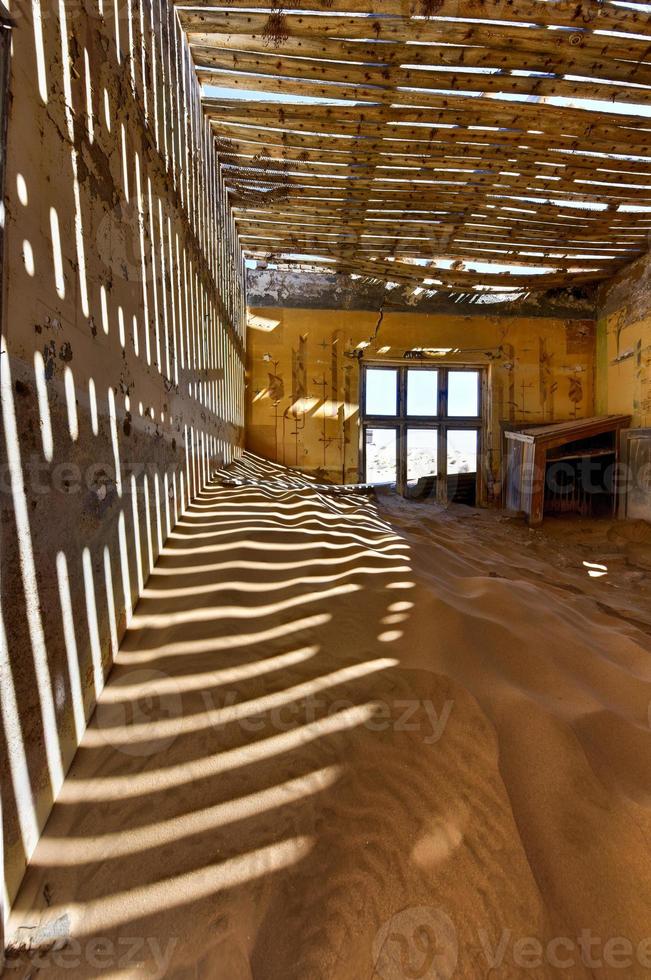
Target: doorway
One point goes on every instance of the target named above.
(421, 429)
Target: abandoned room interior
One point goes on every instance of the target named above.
(326, 489)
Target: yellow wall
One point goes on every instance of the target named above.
(624, 345)
(302, 389)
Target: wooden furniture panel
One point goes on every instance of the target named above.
(635, 500)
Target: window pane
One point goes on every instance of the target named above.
(421, 453)
(422, 392)
(381, 391)
(463, 393)
(380, 455)
(462, 451)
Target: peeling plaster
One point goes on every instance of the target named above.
(271, 288)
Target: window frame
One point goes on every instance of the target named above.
(441, 422)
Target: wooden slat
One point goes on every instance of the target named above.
(523, 118)
(475, 164)
(405, 233)
(356, 77)
(573, 52)
(573, 228)
(361, 154)
(512, 172)
(562, 62)
(402, 272)
(454, 86)
(443, 185)
(626, 134)
(306, 243)
(412, 139)
(579, 14)
(527, 164)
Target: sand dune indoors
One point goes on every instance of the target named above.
(384, 747)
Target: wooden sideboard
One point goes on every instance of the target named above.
(530, 452)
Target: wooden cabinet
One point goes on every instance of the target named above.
(547, 465)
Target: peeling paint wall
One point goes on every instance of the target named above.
(624, 344)
(122, 362)
(302, 388)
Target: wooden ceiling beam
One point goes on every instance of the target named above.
(217, 64)
(429, 237)
(247, 181)
(307, 242)
(416, 274)
(450, 210)
(296, 156)
(548, 173)
(391, 24)
(452, 88)
(445, 56)
(422, 138)
(572, 52)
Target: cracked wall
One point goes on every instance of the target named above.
(122, 360)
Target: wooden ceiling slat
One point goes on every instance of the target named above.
(461, 154)
(411, 139)
(582, 13)
(566, 222)
(426, 95)
(452, 109)
(540, 215)
(415, 274)
(430, 244)
(526, 239)
(592, 130)
(399, 231)
(394, 26)
(472, 191)
(627, 172)
(569, 50)
(305, 47)
(571, 229)
(424, 233)
(462, 140)
(461, 58)
(307, 242)
(488, 254)
(558, 173)
(226, 65)
(432, 248)
(442, 184)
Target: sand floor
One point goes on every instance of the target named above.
(353, 740)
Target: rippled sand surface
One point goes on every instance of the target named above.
(350, 740)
